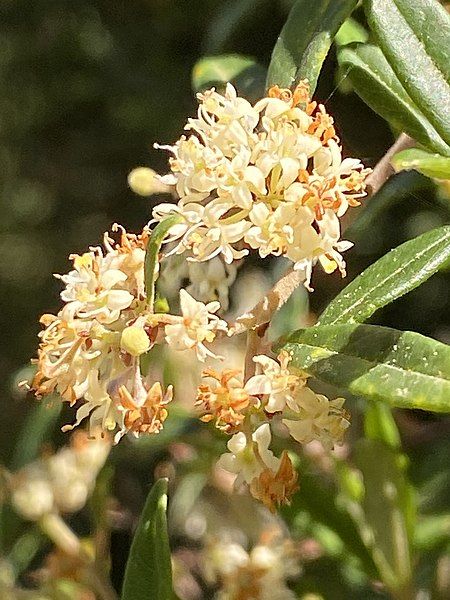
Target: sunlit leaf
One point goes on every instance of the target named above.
(401, 368)
(377, 84)
(392, 276)
(432, 165)
(415, 38)
(148, 572)
(305, 40)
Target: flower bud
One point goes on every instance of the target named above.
(146, 182)
(135, 341)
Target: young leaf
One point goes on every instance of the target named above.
(415, 37)
(431, 165)
(151, 256)
(376, 83)
(384, 515)
(305, 40)
(244, 72)
(392, 276)
(148, 572)
(379, 424)
(401, 368)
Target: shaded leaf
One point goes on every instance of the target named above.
(227, 21)
(383, 518)
(148, 572)
(415, 37)
(392, 276)
(35, 431)
(319, 501)
(379, 424)
(432, 165)
(377, 84)
(243, 72)
(305, 40)
(402, 368)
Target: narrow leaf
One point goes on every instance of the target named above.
(392, 276)
(243, 72)
(415, 37)
(431, 165)
(376, 83)
(151, 256)
(384, 514)
(379, 424)
(401, 368)
(35, 432)
(148, 572)
(227, 22)
(305, 40)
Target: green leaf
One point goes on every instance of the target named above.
(35, 431)
(402, 368)
(351, 32)
(151, 256)
(244, 72)
(319, 501)
(415, 38)
(148, 573)
(376, 83)
(432, 165)
(379, 424)
(392, 276)
(305, 40)
(227, 21)
(383, 520)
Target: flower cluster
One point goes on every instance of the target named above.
(276, 391)
(261, 573)
(90, 352)
(60, 482)
(268, 176)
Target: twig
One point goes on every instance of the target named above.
(262, 313)
(383, 169)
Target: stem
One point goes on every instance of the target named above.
(64, 538)
(383, 169)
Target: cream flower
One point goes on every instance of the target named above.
(61, 482)
(315, 417)
(197, 325)
(276, 383)
(263, 177)
(242, 459)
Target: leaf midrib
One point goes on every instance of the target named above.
(383, 282)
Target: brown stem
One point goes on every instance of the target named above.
(384, 170)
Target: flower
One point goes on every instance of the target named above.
(225, 399)
(146, 182)
(276, 488)
(268, 176)
(276, 383)
(198, 324)
(90, 351)
(60, 482)
(247, 459)
(260, 573)
(317, 418)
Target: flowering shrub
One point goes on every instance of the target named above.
(150, 324)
